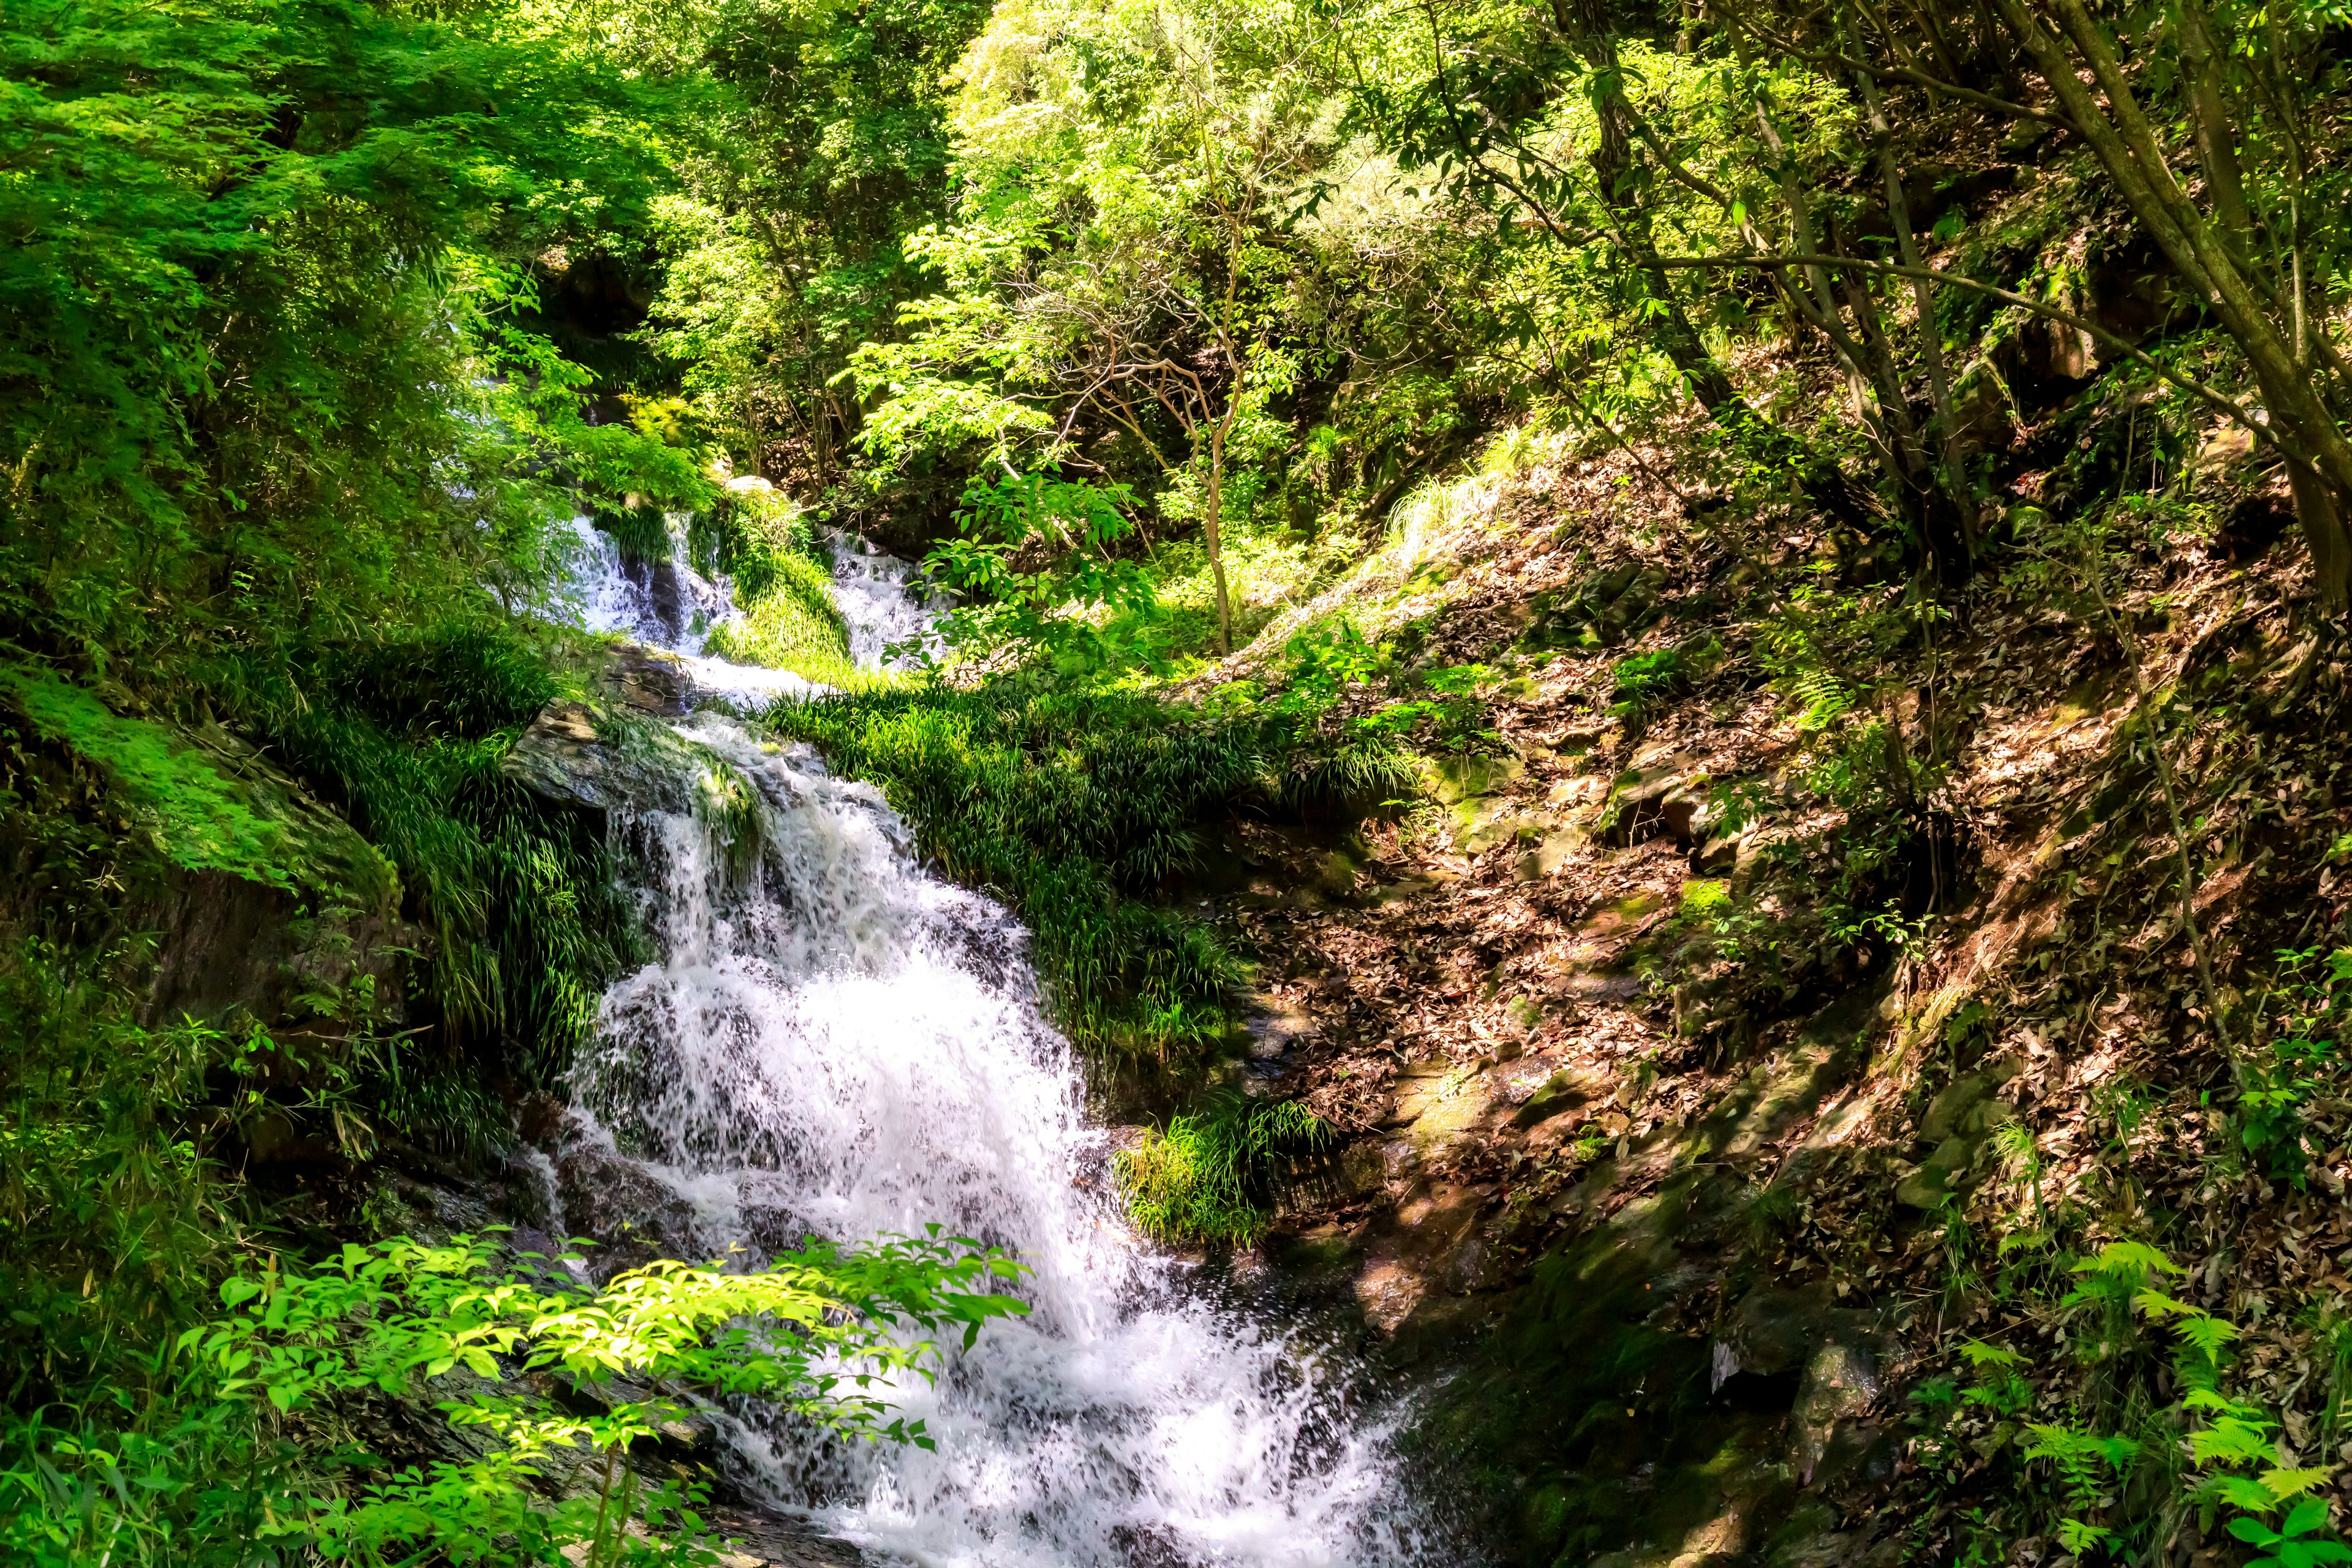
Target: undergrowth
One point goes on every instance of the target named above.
(526, 920)
(1204, 1178)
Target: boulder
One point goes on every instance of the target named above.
(1841, 1385)
(1648, 801)
(575, 755)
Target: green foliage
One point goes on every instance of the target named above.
(260, 387)
(2297, 1543)
(2237, 1462)
(112, 1225)
(181, 797)
(2298, 1062)
(1643, 679)
(527, 919)
(1032, 551)
(489, 1340)
(640, 532)
(785, 251)
(784, 589)
(1203, 1178)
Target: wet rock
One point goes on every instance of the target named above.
(577, 756)
(648, 679)
(1841, 1385)
(1774, 1332)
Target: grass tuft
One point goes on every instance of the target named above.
(1204, 1179)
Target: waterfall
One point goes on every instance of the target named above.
(834, 1042)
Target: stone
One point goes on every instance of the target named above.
(2229, 445)
(1945, 1111)
(575, 755)
(1556, 1096)
(2251, 527)
(1556, 849)
(1364, 1167)
(650, 680)
(1648, 801)
(1840, 1384)
(1933, 1178)
(1464, 777)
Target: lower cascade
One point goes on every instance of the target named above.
(833, 1042)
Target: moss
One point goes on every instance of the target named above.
(180, 794)
(789, 622)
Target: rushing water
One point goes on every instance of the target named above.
(835, 1042)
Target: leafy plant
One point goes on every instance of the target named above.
(818, 1331)
(1032, 551)
(2297, 1543)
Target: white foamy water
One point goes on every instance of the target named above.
(834, 1042)
(883, 601)
(668, 605)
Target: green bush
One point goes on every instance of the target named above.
(522, 903)
(112, 1226)
(200, 1478)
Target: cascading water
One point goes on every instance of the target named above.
(835, 1042)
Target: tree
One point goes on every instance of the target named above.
(1117, 275)
(2229, 91)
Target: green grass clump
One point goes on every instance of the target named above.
(528, 925)
(642, 532)
(764, 542)
(1204, 1178)
(789, 622)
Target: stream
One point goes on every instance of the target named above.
(835, 1042)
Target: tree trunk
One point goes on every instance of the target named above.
(1211, 531)
(1754, 436)
(2319, 457)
